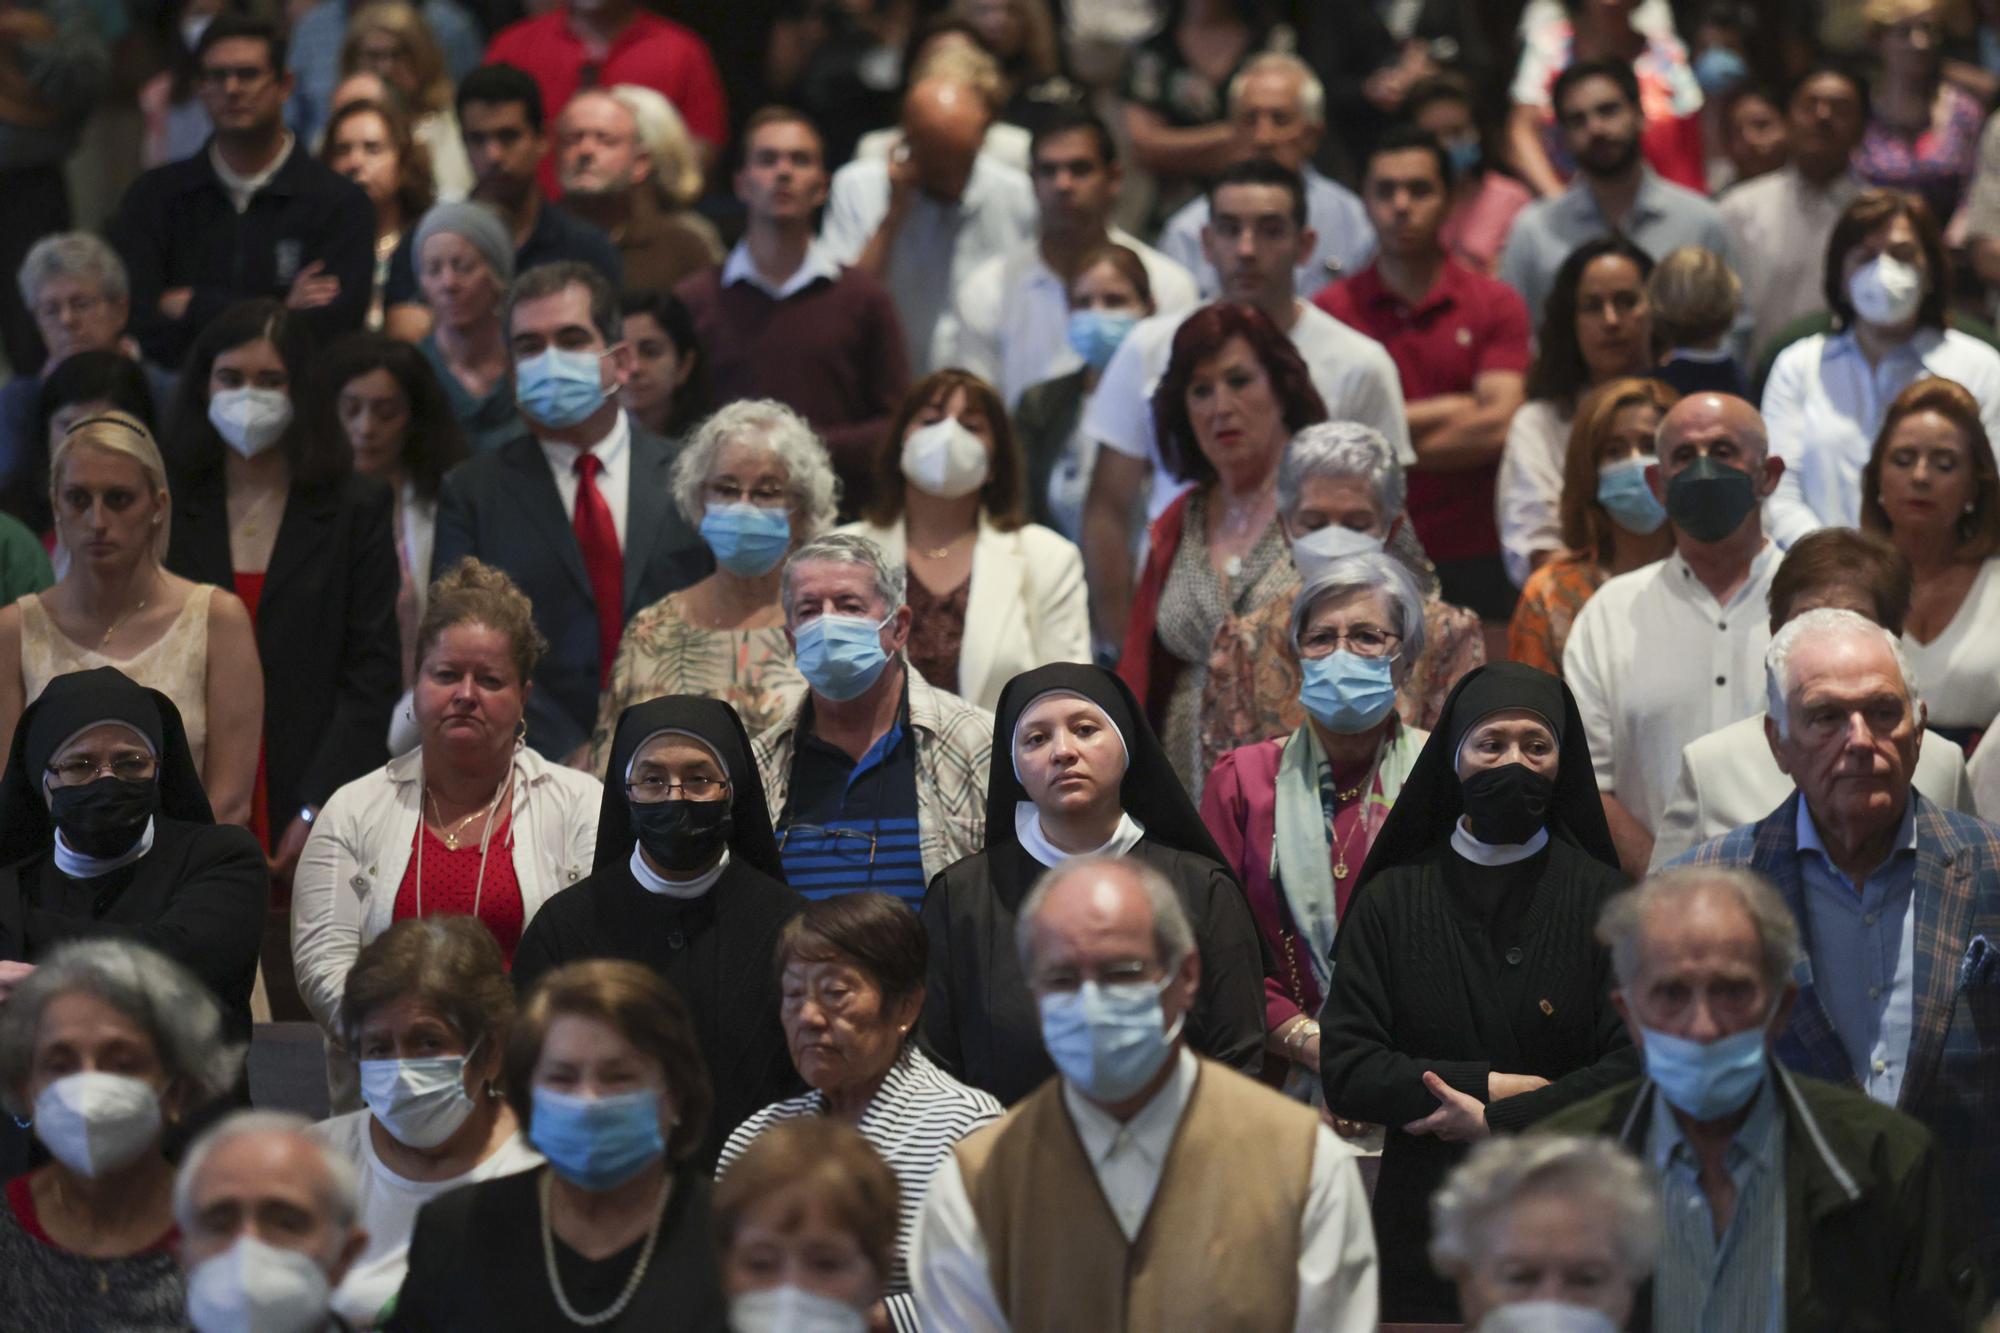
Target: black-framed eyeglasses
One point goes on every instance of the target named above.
(1361, 640)
(126, 768)
(849, 844)
(652, 790)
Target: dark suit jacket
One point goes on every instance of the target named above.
(503, 507)
(326, 628)
(1043, 422)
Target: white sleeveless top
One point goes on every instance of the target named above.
(175, 664)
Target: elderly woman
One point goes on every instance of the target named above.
(757, 483)
(1233, 395)
(1923, 130)
(808, 1226)
(369, 143)
(1340, 493)
(1076, 770)
(687, 880)
(1538, 1232)
(1612, 522)
(852, 974)
(1469, 993)
(1888, 282)
(426, 1012)
(668, 382)
(1295, 816)
(1596, 327)
(116, 606)
(604, 1072)
(990, 594)
(1931, 488)
(464, 261)
(421, 835)
(106, 1045)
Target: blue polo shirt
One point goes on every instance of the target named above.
(851, 825)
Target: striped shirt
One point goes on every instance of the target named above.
(852, 825)
(1735, 1284)
(916, 1116)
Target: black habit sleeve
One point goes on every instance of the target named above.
(1227, 1024)
(937, 1030)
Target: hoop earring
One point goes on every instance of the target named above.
(521, 734)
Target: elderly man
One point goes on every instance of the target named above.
(608, 180)
(879, 780)
(1899, 900)
(1277, 107)
(1105, 1199)
(926, 218)
(1669, 653)
(1728, 778)
(267, 1223)
(1790, 1202)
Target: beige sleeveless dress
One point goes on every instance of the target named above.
(176, 664)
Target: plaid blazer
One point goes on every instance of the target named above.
(1953, 1081)
(954, 752)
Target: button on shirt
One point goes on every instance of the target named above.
(1345, 244)
(614, 454)
(739, 267)
(1735, 1284)
(1779, 224)
(1656, 662)
(1863, 949)
(1824, 405)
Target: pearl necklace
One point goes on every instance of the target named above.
(616, 1307)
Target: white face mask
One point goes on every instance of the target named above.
(420, 1102)
(250, 420)
(1546, 1317)
(94, 1122)
(1886, 291)
(792, 1310)
(945, 459)
(252, 1287)
(1321, 547)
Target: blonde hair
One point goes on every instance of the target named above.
(1041, 56)
(665, 137)
(123, 434)
(407, 26)
(1694, 296)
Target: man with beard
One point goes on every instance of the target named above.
(1597, 103)
(608, 179)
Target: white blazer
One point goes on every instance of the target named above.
(1027, 606)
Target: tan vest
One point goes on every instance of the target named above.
(1219, 1247)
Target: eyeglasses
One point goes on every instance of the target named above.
(728, 493)
(651, 791)
(846, 844)
(126, 768)
(79, 306)
(1362, 641)
(1109, 974)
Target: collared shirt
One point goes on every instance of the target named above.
(1012, 314)
(1862, 943)
(740, 267)
(1735, 1284)
(614, 478)
(851, 824)
(1664, 217)
(1779, 224)
(1656, 662)
(241, 189)
(1824, 405)
(1344, 245)
(1527, 491)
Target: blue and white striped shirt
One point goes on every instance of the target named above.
(1735, 1284)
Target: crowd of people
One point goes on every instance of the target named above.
(1158, 664)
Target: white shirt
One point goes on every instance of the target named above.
(241, 189)
(1655, 662)
(388, 1205)
(1779, 224)
(1958, 672)
(1352, 372)
(739, 267)
(948, 1258)
(614, 477)
(1527, 495)
(1012, 314)
(1824, 405)
(1344, 245)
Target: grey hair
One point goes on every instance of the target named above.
(341, 1197)
(1173, 937)
(73, 254)
(167, 1002)
(1343, 449)
(1372, 571)
(663, 134)
(1823, 622)
(845, 548)
(769, 425)
(1623, 921)
(1503, 1171)
(1312, 93)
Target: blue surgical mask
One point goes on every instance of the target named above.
(747, 539)
(841, 656)
(597, 1143)
(1465, 155)
(559, 388)
(1095, 334)
(1108, 1040)
(1718, 69)
(1708, 1080)
(1622, 490)
(1347, 693)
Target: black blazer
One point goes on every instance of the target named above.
(503, 507)
(326, 627)
(1043, 422)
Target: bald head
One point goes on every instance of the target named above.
(1102, 907)
(944, 125)
(1711, 416)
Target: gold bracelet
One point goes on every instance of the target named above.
(1296, 1039)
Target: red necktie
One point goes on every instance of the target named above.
(597, 538)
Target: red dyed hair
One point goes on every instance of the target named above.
(1200, 338)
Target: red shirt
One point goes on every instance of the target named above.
(1468, 325)
(452, 885)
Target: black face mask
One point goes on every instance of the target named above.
(104, 817)
(1507, 804)
(682, 835)
(1708, 500)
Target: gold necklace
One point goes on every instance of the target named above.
(940, 552)
(122, 618)
(449, 832)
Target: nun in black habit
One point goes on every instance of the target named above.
(1469, 993)
(692, 888)
(1076, 770)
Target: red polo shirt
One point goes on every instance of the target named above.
(1467, 325)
